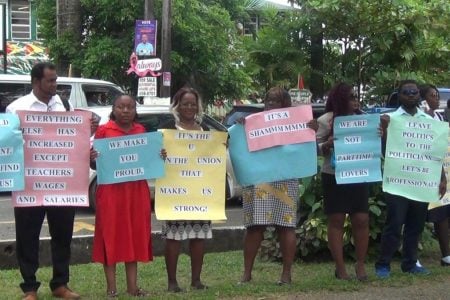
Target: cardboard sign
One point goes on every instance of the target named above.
(11, 154)
(129, 158)
(415, 152)
(281, 126)
(56, 151)
(194, 185)
(357, 149)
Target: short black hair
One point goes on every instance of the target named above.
(405, 82)
(111, 114)
(37, 72)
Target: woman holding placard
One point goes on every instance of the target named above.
(187, 109)
(343, 199)
(122, 218)
(272, 204)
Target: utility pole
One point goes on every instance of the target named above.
(166, 46)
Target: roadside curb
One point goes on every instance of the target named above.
(224, 239)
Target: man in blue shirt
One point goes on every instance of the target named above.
(144, 48)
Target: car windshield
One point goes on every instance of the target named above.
(231, 120)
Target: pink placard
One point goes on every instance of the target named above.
(283, 126)
(56, 148)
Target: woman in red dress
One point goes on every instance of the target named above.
(122, 220)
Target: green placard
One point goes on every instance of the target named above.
(415, 151)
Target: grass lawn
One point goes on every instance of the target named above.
(221, 273)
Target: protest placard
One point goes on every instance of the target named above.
(270, 164)
(11, 154)
(56, 147)
(129, 158)
(357, 149)
(281, 126)
(415, 151)
(194, 185)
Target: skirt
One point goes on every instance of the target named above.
(185, 230)
(272, 203)
(439, 214)
(344, 198)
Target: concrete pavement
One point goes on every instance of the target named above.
(227, 235)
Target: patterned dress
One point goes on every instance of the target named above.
(185, 229)
(273, 203)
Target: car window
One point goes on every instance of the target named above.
(444, 96)
(152, 122)
(213, 124)
(11, 91)
(233, 117)
(64, 90)
(100, 95)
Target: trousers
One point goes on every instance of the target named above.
(29, 222)
(402, 211)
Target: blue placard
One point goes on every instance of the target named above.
(271, 164)
(129, 158)
(11, 154)
(357, 148)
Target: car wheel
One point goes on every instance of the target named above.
(92, 192)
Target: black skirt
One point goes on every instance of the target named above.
(344, 198)
(439, 214)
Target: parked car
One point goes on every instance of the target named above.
(151, 117)
(81, 92)
(241, 111)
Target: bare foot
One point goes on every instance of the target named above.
(198, 286)
(174, 288)
(245, 279)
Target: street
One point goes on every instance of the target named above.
(84, 220)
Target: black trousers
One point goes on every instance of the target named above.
(28, 227)
(402, 211)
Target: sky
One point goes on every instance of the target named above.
(285, 2)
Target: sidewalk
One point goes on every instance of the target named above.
(227, 235)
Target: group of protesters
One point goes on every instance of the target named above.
(123, 227)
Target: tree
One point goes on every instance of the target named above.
(205, 48)
(381, 42)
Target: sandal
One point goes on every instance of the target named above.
(139, 293)
(112, 294)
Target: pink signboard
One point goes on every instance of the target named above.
(283, 126)
(56, 149)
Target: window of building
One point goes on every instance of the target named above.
(20, 20)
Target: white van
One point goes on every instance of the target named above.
(81, 92)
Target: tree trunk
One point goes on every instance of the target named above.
(149, 8)
(316, 80)
(68, 23)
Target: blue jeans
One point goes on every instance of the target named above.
(402, 211)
